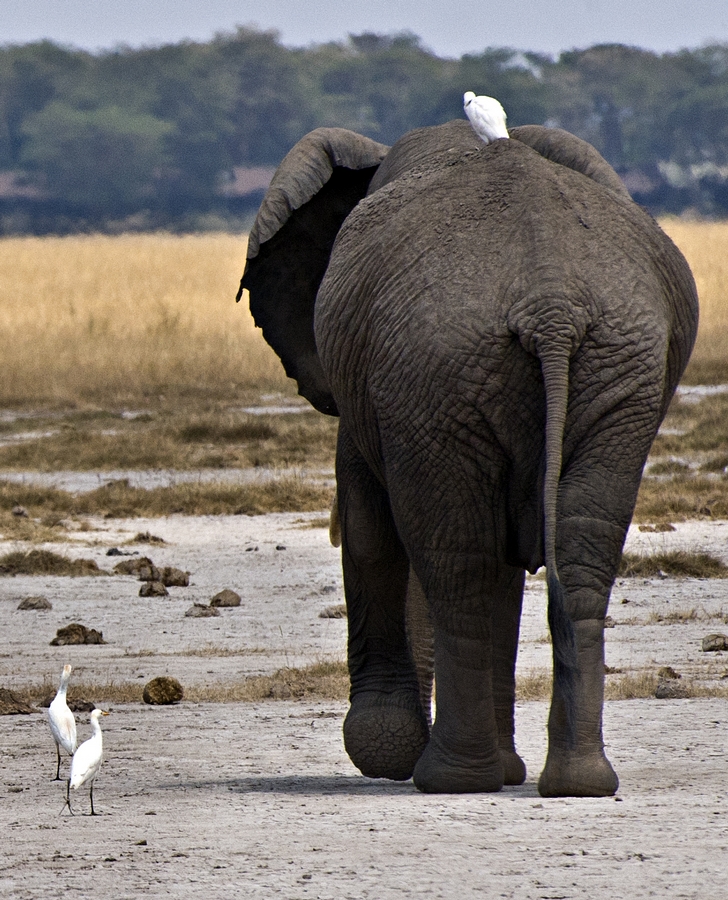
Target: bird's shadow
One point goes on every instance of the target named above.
(329, 785)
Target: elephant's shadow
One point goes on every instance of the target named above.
(333, 785)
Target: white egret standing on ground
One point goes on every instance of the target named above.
(86, 761)
(61, 721)
(486, 115)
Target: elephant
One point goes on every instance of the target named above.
(500, 330)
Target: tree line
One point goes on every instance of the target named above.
(161, 137)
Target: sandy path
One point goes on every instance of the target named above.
(261, 801)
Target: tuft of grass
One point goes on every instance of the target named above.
(669, 467)
(534, 686)
(631, 686)
(678, 563)
(704, 427)
(44, 562)
(676, 617)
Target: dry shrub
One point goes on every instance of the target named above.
(679, 563)
(632, 686)
(676, 617)
(704, 246)
(120, 319)
(44, 562)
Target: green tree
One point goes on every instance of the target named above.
(103, 159)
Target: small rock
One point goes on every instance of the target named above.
(333, 612)
(226, 597)
(712, 643)
(609, 622)
(35, 603)
(20, 511)
(669, 673)
(198, 611)
(248, 549)
(149, 573)
(12, 705)
(162, 691)
(132, 566)
(328, 589)
(172, 577)
(669, 689)
(153, 589)
(75, 633)
(114, 551)
(281, 547)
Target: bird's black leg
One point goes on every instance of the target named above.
(68, 798)
(58, 767)
(91, 795)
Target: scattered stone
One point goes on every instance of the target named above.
(226, 597)
(35, 603)
(328, 589)
(12, 705)
(333, 612)
(667, 672)
(199, 611)
(20, 511)
(169, 575)
(658, 528)
(114, 551)
(162, 691)
(670, 689)
(132, 566)
(153, 589)
(248, 549)
(281, 547)
(75, 633)
(712, 643)
(149, 573)
(172, 577)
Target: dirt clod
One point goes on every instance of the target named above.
(153, 589)
(712, 643)
(35, 603)
(75, 633)
(225, 597)
(199, 611)
(162, 691)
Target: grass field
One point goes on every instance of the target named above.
(130, 352)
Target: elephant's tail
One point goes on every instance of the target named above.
(554, 359)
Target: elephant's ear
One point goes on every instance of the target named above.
(313, 190)
(568, 150)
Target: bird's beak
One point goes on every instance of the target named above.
(104, 712)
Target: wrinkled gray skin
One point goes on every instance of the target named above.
(500, 329)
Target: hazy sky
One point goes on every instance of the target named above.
(449, 28)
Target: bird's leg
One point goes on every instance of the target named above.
(58, 767)
(91, 795)
(68, 798)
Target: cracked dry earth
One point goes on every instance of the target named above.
(259, 800)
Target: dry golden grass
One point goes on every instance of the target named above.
(119, 320)
(705, 246)
(117, 499)
(678, 563)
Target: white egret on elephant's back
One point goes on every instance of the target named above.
(87, 761)
(486, 115)
(62, 722)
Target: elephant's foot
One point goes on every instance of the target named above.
(437, 772)
(385, 734)
(568, 774)
(514, 768)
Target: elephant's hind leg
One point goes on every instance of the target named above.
(386, 729)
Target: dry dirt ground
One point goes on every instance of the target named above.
(260, 800)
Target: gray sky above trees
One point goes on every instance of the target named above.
(450, 29)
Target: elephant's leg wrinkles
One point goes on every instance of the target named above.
(471, 748)
(581, 769)
(386, 729)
